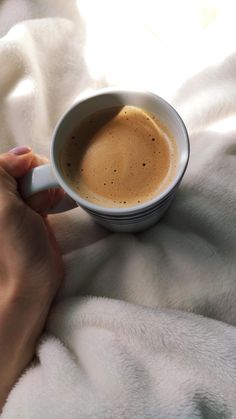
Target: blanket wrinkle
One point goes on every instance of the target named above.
(213, 103)
(144, 325)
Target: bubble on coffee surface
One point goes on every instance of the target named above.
(121, 166)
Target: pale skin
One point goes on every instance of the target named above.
(31, 267)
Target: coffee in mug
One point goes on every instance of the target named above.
(120, 157)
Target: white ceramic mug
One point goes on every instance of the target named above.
(130, 219)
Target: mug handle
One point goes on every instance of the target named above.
(39, 179)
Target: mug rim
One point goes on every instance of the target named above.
(116, 210)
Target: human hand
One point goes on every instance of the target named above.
(31, 266)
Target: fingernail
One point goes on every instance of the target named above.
(19, 151)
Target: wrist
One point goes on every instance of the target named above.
(21, 323)
(25, 315)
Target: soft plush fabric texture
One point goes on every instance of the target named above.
(145, 324)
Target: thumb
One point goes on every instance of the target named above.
(13, 165)
(17, 161)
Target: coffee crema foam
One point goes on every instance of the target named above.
(120, 157)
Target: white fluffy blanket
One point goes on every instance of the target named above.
(145, 324)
